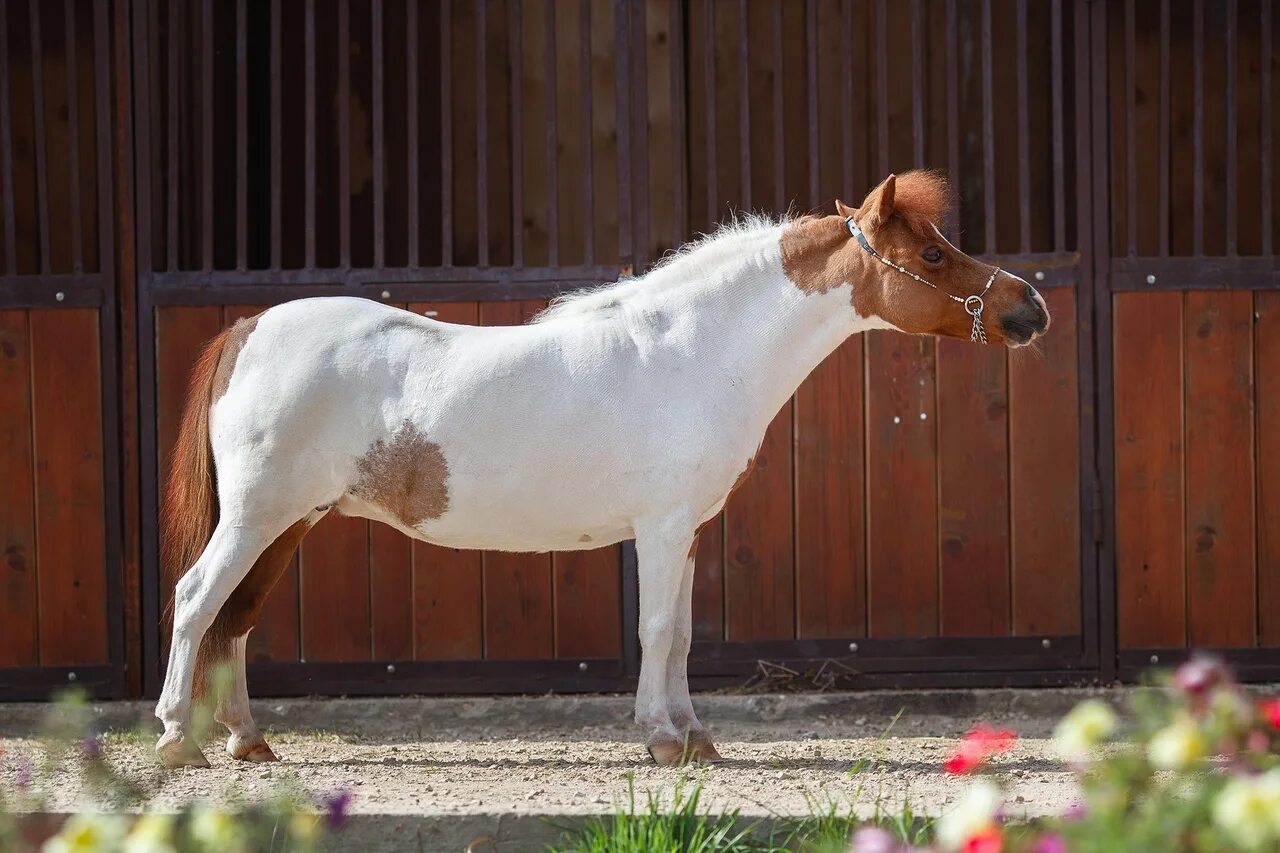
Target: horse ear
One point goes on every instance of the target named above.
(845, 210)
(879, 204)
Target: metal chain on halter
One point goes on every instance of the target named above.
(973, 305)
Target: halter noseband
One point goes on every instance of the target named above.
(973, 305)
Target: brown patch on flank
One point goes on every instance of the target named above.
(405, 476)
(233, 343)
(584, 538)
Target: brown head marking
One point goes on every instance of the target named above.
(407, 476)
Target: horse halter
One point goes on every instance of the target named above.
(973, 305)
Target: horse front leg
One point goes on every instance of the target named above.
(662, 550)
(697, 741)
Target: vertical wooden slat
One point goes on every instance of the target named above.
(553, 153)
(73, 139)
(446, 137)
(1044, 477)
(709, 132)
(779, 137)
(679, 144)
(988, 134)
(1150, 554)
(917, 84)
(344, 133)
(41, 153)
(334, 590)
(206, 130)
(882, 88)
(1024, 134)
(379, 142)
(744, 108)
(411, 129)
(588, 603)
(902, 508)
(846, 108)
(588, 125)
(1221, 602)
(19, 584)
(172, 182)
(1197, 174)
(831, 580)
(69, 490)
(242, 137)
(1059, 129)
(1162, 191)
(516, 39)
(518, 608)
(277, 160)
(390, 593)
(973, 477)
(1267, 399)
(708, 582)
(953, 111)
(482, 131)
(1130, 134)
(6, 148)
(1265, 130)
(310, 131)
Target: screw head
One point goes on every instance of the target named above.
(897, 420)
(1039, 275)
(1046, 643)
(582, 667)
(924, 416)
(853, 647)
(391, 669)
(1151, 279)
(386, 294)
(1155, 658)
(71, 676)
(59, 296)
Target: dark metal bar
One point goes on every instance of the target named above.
(379, 142)
(1162, 193)
(811, 90)
(171, 189)
(1197, 144)
(709, 78)
(846, 105)
(1059, 168)
(206, 129)
(1024, 134)
(1265, 96)
(344, 134)
(6, 147)
(516, 36)
(953, 112)
(917, 83)
(242, 136)
(73, 139)
(446, 138)
(41, 152)
(622, 98)
(1232, 129)
(411, 119)
(588, 160)
(1130, 143)
(678, 150)
(277, 162)
(553, 154)
(882, 87)
(310, 144)
(988, 133)
(780, 146)
(744, 108)
(482, 132)
(640, 132)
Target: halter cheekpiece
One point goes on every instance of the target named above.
(973, 305)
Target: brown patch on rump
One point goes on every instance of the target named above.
(233, 343)
(584, 538)
(406, 476)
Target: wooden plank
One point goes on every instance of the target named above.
(275, 637)
(831, 568)
(759, 560)
(181, 333)
(973, 489)
(448, 616)
(708, 582)
(1044, 476)
(390, 592)
(334, 590)
(18, 581)
(902, 505)
(588, 603)
(1266, 306)
(66, 402)
(1150, 566)
(518, 608)
(1221, 595)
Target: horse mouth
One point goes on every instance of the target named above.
(1022, 328)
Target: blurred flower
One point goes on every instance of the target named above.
(973, 816)
(213, 829)
(872, 839)
(1075, 811)
(152, 833)
(987, 841)
(87, 833)
(336, 808)
(979, 744)
(1050, 842)
(1230, 708)
(91, 748)
(1177, 746)
(1200, 674)
(1087, 725)
(1248, 809)
(304, 827)
(1270, 710)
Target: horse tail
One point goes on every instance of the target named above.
(190, 510)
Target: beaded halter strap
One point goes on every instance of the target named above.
(973, 305)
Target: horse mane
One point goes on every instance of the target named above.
(667, 272)
(922, 197)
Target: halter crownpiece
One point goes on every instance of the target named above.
(973, 305)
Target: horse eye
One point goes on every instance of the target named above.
(932, 255)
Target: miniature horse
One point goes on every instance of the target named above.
(627, 412)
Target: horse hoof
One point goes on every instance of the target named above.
(669, 751)
(701, 749)
(254, 750)
(177, 751)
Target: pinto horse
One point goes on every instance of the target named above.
(627, 412)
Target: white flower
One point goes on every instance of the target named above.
(152, 833)
(1177, 746)
(975, 813)
(87, 833)
(1248, 809)
(1087, 725)
(213, 829)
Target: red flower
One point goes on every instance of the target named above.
(1199, 674)
(987, 841)
(1271, 712)
(976, 747)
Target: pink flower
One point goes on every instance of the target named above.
(1200, 674)
(976, 747)
(872, 839)
(1270, 710)
(987, 841)
(1049, 843)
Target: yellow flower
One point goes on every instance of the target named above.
(1248, 809)
(214, 830)
(304, 827)
(1177, 746)
(1087, 725)
(87, 833)
(973, 815)
(152, 833)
